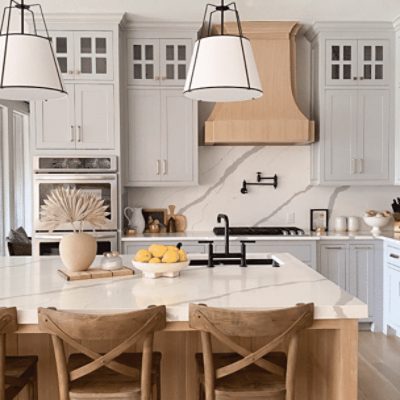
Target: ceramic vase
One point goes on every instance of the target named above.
(78, 251)
(135, 218)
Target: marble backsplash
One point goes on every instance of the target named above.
(222, 170)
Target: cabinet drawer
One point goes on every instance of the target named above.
(393, 293)
(392, 255)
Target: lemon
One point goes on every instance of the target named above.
(143, 256)
(170, 257)
(154, 260)
(172, 248)
(158, 250)
(182, 255)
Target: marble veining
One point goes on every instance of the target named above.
(37, 284)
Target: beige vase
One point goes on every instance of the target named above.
(78, 251)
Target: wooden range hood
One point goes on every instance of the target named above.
(275, 118)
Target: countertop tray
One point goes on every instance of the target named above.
(94, 273)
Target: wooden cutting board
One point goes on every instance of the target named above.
(94, 273)
(180, 220)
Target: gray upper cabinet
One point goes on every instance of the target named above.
(158, 62)
(84, 55)
(353, 99)
(82, 120)
(161, 141)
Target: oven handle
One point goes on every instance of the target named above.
(63, 178)
(43, 236)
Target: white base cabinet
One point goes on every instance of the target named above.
(357, 268)
(391, 314)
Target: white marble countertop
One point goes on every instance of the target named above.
(209, 235)
(29, 283)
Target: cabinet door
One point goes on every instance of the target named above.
(94, 115)
(393, 295)
(373, 62)
(144, 62)
(175, 59)
(93, 55)
(341, 111)
(333, 263)
(63, 45)
(341, 62)
(144, 149)
(360, 274)
(55, 125)
(373, 135)
(177, 136)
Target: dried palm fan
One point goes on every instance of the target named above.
(65, 205)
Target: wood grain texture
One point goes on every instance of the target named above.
(275, 118)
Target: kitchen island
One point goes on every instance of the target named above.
(328, 350)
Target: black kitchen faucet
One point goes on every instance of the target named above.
(213, 257)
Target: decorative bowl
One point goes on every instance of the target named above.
(376, 223)
(156, 270)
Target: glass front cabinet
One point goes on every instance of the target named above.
(84, 55)
(357, 62)
(158, 62)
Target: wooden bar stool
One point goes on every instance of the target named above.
(116, 374)
(19, 371)
(267, 373)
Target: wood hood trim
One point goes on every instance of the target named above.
(275, 118)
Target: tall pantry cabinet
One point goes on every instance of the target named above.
(352, 98)
(161, 141)
(87, 51)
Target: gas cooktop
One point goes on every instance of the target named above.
(260, 231)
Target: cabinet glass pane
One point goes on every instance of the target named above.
(378, 53)
(335, 71)
(367, 71)
(101, 66)
(170, 71)
(181, 53)
(347, 53)
(63, 64)
(347, 71)
(367, 53)
(149, 52)
(61, 45)
(137, 52)
(335, 56)
(86, 45)
(137, 71)
(170, 52)
(86, 65)
(149, 71)
(101, 46)
(379, 71)
(181, 71)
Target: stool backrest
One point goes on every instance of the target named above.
(8, 324)
(279, 327)
(125, 329)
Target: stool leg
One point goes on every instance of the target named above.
(34, 395)
(158, 383)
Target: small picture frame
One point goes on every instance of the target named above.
(155, 213)
(319, 219)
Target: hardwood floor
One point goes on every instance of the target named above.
(379, 367)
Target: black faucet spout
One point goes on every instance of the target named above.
(224, 217)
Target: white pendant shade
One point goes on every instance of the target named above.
(29, 71)
(223, 69)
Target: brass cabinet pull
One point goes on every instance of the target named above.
(165, 169)
(158, 167)
(72, 134)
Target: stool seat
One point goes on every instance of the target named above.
(250, 381)
(107, 383)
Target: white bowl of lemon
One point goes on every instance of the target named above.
(160, 260)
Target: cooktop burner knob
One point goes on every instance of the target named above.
(293, 232)
(285, 232)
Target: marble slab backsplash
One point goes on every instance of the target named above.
(222, 170)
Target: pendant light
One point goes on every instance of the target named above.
(222, 67)
(28, 67)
